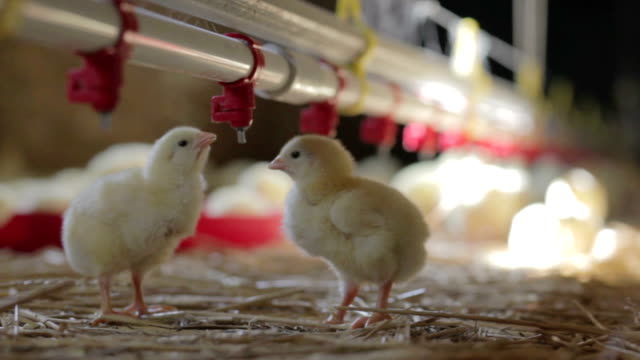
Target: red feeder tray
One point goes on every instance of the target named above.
(240, 232)
(30, 232)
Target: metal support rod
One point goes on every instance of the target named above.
(499, 50)
(290, 77)
(310, 29)
(164, 43)
(530, 28)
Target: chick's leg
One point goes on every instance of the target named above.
(139, 307)
(105, 301)
(383, 302)
(349, 293)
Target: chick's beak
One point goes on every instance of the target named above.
(205, 139)
(278, 164)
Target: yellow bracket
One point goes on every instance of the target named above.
(359, 68)
(466, 62)
(10, 16)
(351, 10)
(529, 79)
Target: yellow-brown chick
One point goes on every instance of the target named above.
(365, 230)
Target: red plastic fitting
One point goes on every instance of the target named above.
(421, 138)
(382, 130)
(237, 102)
(499, 149)
(322, 117)
(98, 82)
(451, 140)
(319, 118)
(379, 130)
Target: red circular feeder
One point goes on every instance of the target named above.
(30, 232)
(240, 232)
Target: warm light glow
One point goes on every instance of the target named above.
(463, 182)
(466, 48)
(579, 261)
(507, 115)
(450, 98)
(510, 119)
(466, 181)
(506, 180)
(582, 179)
(561, 199)
(534, 239)
(605, 244)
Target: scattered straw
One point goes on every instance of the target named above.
(534, 324)
(30, 295)
(272, 306)
(590, 316)
(260, 299)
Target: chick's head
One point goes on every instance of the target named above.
(181, 150)
(310, 157)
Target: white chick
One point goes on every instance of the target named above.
(366, 231)
(119, 157)
(270, 185)
(236, 200)
(134, 219)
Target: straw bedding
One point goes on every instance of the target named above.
(270, 305)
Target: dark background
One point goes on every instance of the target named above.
(591, 43)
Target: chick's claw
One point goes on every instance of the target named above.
(365, 321)
(334, 319)
(100, 318)
(139, 310)
(377, 317)
(360, 322)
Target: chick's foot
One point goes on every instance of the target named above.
(335, 319)
(365, 321)
(138, 310)
(100, 318)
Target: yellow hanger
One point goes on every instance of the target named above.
(350, 10)
(466, 62)
(10, 16)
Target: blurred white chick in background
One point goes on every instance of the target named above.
(7, 204)
(380, 167)
(119, 157)
(367, 231)
(543, 172)
(57, 191)
(28, 193)
(271, 185)
(236, 200)
(134, 219)
(419, 183)
(227, 174)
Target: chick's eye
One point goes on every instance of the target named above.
(295, 154)
(183, 143)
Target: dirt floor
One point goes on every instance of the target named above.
(271, 305)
